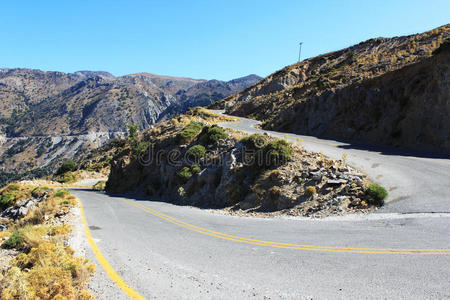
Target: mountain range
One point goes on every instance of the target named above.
(33, 102)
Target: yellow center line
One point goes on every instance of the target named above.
(285, 245)
(104, 262)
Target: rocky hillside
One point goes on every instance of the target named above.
(48, 117)
(190, 161)
(208, 92)
(391, 91)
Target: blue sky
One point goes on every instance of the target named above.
(199, 39)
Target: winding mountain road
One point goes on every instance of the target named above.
(402, 251)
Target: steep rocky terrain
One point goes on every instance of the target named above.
(47, 117)
(391, 91)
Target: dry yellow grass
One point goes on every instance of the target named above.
(54, 273)
(47, 269)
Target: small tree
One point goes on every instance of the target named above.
(67, 166)
(133, 130)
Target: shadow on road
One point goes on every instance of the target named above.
(387, 150)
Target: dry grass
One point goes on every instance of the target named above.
(48, 271)
(310, 190)
(202, 114)
(46, 268)
(4, 234)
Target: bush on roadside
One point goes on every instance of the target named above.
(45, 268)
(67, 177)
(62, 193)
(187, 172)
(375, 194)
(39, 191)
(48, 271)
(100, 186)
(255, 141)
(267, 153)
(277, 152)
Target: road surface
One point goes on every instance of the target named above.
(163, 251)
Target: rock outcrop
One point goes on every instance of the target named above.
(305, 184)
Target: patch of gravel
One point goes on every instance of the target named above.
(76, 239)
(5, 256)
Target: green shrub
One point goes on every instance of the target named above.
(140, 147)
(375, 194)
(213, 134)
(255, 141)
(185, 174)
(132, 130)
(62, 193)
(190, 132)
(38, 192)
(266, 153)
(15, 241)
(9, 195)
(67, 166)
(13, 187)
(195, 169)
(196, 152)
(7, 200)
(67, 178)
(40, 151)
(277, 152)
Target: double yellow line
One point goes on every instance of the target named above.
(239, 239)
(130, 292)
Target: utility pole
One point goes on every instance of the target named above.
(300, 52)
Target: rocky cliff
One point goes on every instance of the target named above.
(391, 91)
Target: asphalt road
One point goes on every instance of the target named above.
(165, 251)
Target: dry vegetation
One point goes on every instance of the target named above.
(45, 267)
